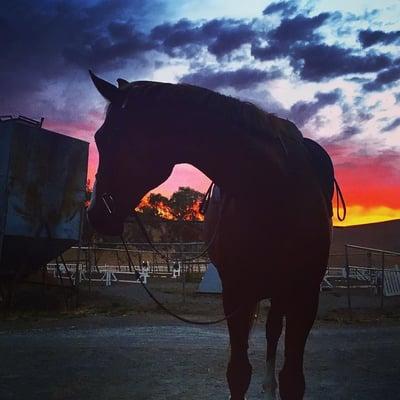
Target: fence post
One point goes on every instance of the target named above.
(383, 279)
(183, 271)
(346, 252)
(118, 260)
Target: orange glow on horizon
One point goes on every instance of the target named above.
(358, 215)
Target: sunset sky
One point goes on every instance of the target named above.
(332, 67)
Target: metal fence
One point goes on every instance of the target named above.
(376, 273)
(105, 261)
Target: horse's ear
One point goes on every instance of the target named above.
(106, 89)
(122, 83)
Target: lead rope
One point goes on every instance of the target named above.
(163, 307)
(339, 197)
(154, 298)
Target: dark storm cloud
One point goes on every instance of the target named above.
(120, 43)
(47, 43)
(369, 38)
(319, 61)
(383, 80)
(287, 8)
(299, 28)
(219, 36)
(302, 111)
(231, 38)
(290, 32)
(298, 40)
(268, 53)
(182, 33)
(240, 79)
(53, 45)
(393, 125)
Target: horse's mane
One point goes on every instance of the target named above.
(247, 116)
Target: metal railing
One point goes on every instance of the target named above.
(376, 275)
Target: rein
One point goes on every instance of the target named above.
(148, 291)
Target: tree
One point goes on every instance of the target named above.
(156, 205)
(185, 204)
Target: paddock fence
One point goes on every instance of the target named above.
(108, 263)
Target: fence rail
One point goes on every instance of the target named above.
(386, 281)
(364, 267)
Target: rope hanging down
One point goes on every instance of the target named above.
(167, 310)
(154, 298)
(339, 197)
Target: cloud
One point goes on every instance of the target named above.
(317, 62)
(347, 133)
(286, 8)
(290, 31)
(383, 80)
(175, 36)
(393, 125)
(296, 39)
(240, 79)
(219, 36)
(302, 111)
(231, 38)
(268, 53)
(369, 38)
(297, 29)
(108, 53)
(48, 46)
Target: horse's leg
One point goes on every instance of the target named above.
(273, 332)
(300, 315)
(239, 367)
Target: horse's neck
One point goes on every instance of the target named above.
(233, 161)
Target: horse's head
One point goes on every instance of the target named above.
(130, 160)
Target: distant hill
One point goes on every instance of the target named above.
(379, 235)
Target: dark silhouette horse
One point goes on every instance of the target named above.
(273, 222)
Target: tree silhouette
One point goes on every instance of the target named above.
(185, 203)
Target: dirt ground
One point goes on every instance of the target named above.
(117, 345)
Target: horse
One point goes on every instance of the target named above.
(271, 229)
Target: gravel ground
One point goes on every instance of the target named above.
(145, 358)
(123, 348)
